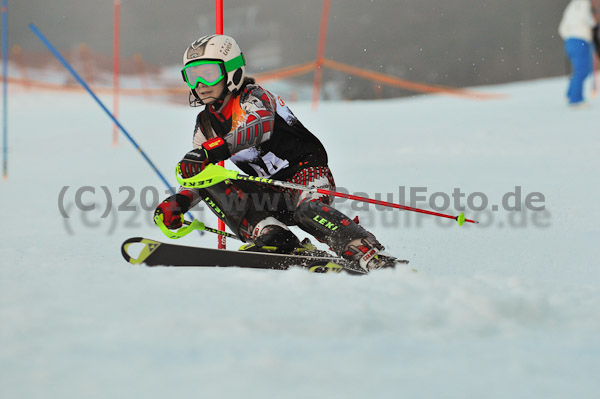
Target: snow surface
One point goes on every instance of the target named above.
(506, 309)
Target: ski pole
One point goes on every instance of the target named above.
(99, 102)
(190, 226)
(213, 174)
(82, 82)
(212, 230)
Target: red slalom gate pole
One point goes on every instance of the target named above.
(219, 17)
(222, 244)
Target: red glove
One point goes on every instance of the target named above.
(173, 207)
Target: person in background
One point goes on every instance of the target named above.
(576, 29)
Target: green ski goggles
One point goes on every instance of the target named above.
(209, 72)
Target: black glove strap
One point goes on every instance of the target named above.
(183, 202)
(216, 150)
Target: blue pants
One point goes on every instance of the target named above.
(580, 55)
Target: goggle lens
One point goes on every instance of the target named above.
(206, 72)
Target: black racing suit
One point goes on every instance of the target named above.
(267, 140)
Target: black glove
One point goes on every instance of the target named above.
(192, 163)
(212, 151)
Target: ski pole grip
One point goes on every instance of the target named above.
(182, 232)
(211, 175)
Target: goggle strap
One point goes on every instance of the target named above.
(235, 63)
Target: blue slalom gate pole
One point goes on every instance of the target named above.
(4, 90)
(89, 90)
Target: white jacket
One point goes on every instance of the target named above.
(577, 21)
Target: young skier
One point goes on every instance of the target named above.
(254, 129)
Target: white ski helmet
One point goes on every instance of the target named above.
(222, 49)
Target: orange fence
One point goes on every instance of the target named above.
(406, 84)
(90, 63)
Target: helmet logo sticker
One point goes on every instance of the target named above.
(226, 47)
(198, 47)
(201, 41)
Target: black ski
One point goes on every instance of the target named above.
(155, 253)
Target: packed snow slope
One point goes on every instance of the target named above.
(509, 308)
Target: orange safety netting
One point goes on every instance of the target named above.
(278, 74)
(406, 84)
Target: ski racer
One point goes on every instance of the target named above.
(254, 128)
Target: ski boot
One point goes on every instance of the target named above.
(271, 235)
(368, 253)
